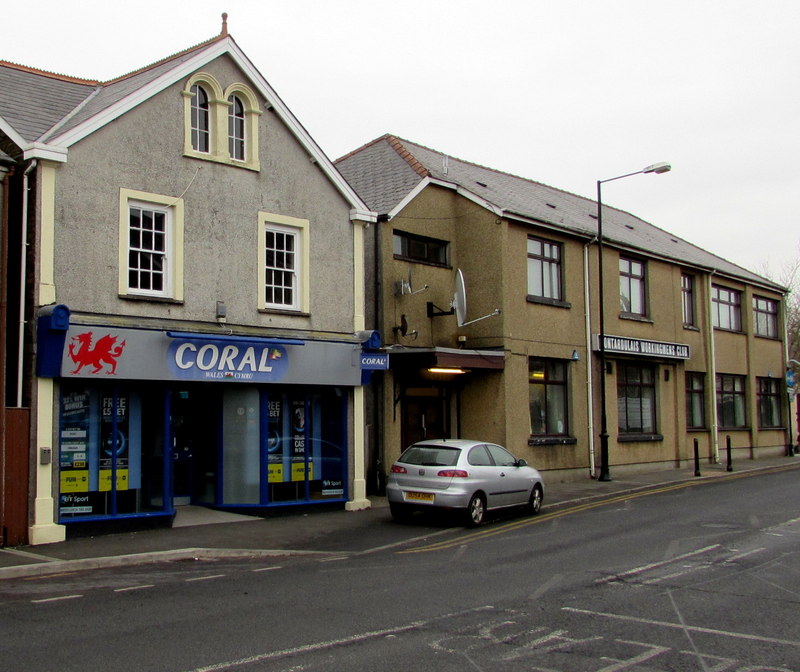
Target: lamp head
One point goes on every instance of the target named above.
(658, 168)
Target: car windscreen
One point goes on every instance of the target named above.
(431, 456)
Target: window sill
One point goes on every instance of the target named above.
(283, 311)
(548, 302)
(730, 331)
(691, 327)
(639, 438)
(151, 299)
(635, 317)
(552, 441)
(226, 160)
(766, 337)
(425, 262)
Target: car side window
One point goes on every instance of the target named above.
(478, 457)
(501, 457)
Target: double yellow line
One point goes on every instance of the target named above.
(494, 530)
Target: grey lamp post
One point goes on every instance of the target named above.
(656, 168)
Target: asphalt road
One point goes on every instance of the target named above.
(702, 578)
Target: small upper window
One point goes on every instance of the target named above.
(419, 248)
(726, 307)
(283, 259)
(631, 287)
(765, 317)
(687, 293)
(544, 269)
(236, 128)
(201, 128)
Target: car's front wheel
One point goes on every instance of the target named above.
(476, 510)
(535, 501)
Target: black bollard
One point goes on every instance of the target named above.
(696, 458)
(730, 461)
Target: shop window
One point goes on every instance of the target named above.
(695, 400)
(283, 260)
(636, 398)
(548, 397)
(726, 308)
(731, 401)
(632, 298)
(765, 317)
(688, 300)
(221, 126)
(419, 248)
(151, 246)
(544, 270)
(768, 401)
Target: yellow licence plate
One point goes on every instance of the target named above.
(420, 496)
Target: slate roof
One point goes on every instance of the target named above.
(384, 171)
(40, 105)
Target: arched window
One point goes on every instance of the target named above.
(200, 120)
(236, 128)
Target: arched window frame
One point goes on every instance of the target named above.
(219, 107)
(248, 99)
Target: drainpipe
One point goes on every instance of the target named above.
(712, 361)
(6, 173)
(379, 407)
(587, 317)
(23, 265)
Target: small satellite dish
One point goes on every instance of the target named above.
(460, 299)
(405, 288)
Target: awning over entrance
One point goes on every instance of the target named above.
(426, 358)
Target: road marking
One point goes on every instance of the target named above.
(486, 532)
(56, 599)
(205, 578)
(680, 626)
(266, 569)
(345, 641)
(654, 565)
(130, 588)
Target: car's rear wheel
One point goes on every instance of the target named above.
(476, 510)
(535, 501)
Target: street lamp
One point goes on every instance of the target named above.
(656, 168)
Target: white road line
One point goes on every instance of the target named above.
(679, 626)
(266, 569)
(130, 588)
(56, 599)
(205, 578)
(654, 565)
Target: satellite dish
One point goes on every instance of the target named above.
(459, 304)
(460, 299)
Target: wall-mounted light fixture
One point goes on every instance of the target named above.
(575, 356)
(446, 369)
(222, 312)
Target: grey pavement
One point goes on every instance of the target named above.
(202, 533)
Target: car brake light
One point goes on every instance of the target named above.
(397, 469)
(453, 473)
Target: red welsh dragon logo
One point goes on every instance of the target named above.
(104, 352)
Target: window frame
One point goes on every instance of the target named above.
(547, 269)
(405, 252)
(688, 285)
(630, 284)
(695, 400)
(549, 385)
(626, 383)
(299, 229)
(219, 113)
(731, 394)
(729, 305)
(769, 402)
(237, 127)
(765, 317)
(173, 208)
(200, 112)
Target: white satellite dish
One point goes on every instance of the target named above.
(459, 304)
(460, 299)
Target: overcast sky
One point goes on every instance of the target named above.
(564, 92)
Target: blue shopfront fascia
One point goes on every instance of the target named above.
(91, 351)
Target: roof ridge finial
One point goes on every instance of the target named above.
(224, 23)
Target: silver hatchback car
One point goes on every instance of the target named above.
(473, 476)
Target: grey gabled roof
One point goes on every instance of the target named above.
(385, 171)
